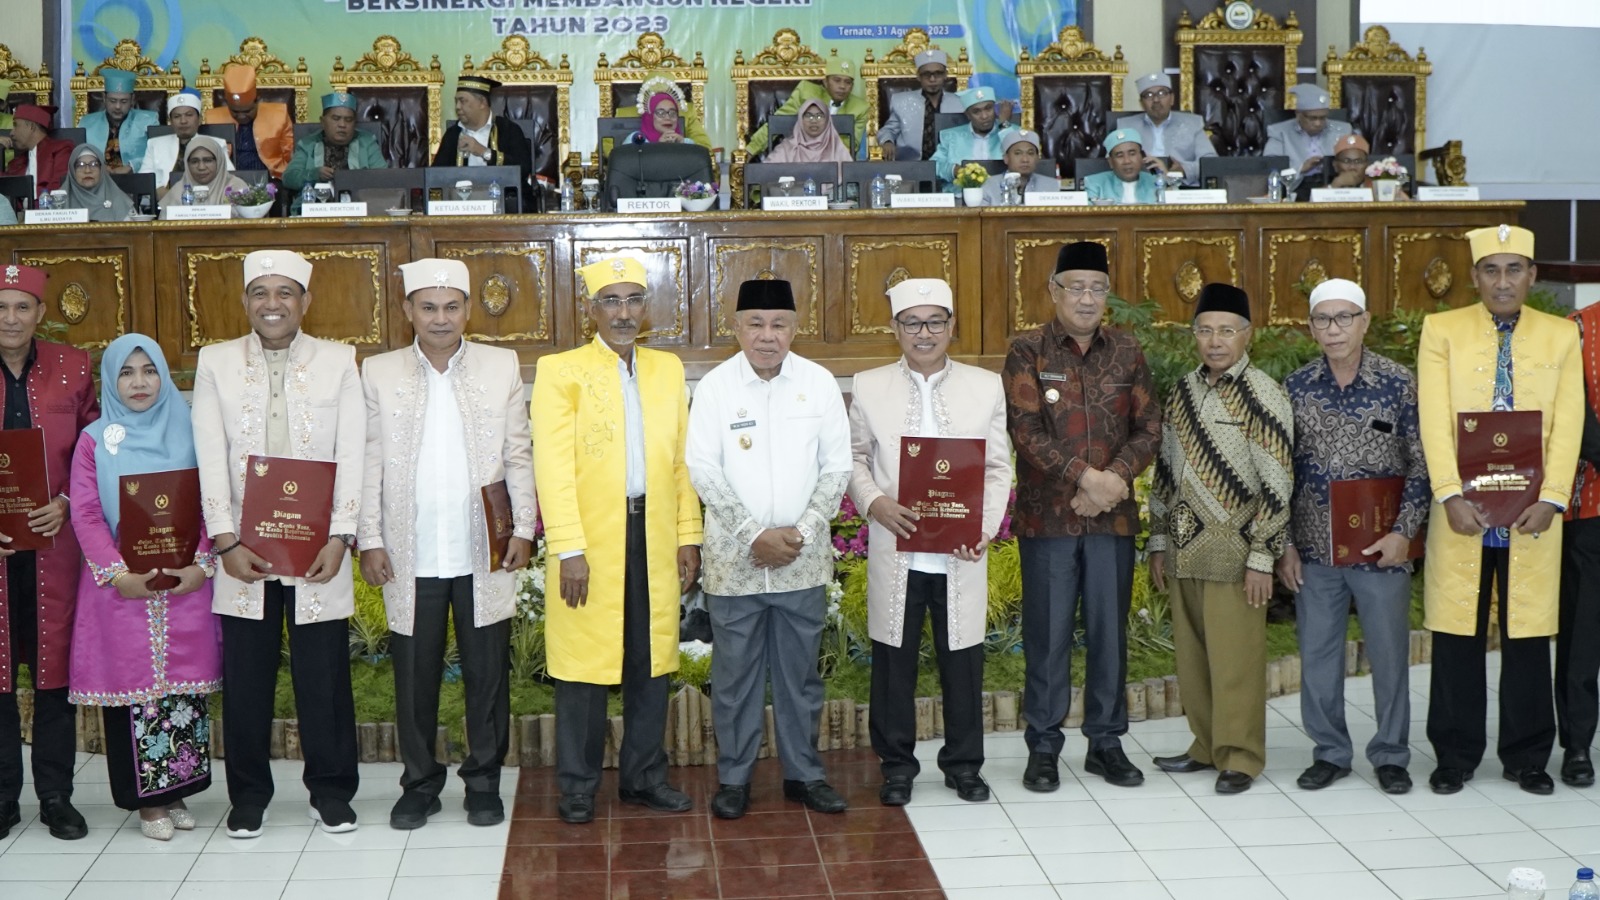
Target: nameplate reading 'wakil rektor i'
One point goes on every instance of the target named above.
(1500, 456)
(287, 507)
(941, 480)
(160, 522)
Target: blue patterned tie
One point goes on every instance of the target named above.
(1501, 537)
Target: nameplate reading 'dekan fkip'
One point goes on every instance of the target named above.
(922, 201)
(1198, 195)
(791, 204)
(463, 207)
(1341, 195)
(1055, 198)
(635, 205)
(54, 216)
(334, 210)
(1467, 192)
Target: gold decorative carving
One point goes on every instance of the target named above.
(129, 57)
(675, 252)
(1449, 164)
(1071, 56)
(719, 287)
(74, 303)
(539, 257)
(388, 65)
(1438, 278)
(1188, 281)
(1378, 56)
(899, 64)
(271, 72)
(898, 275)
(23, 79)
(1019, 253)
(1213, 29)
(785, 59)
(191, 289)
(517, 63)
(119, 272)
(1185, 280)
(1314, 272)
(650, 56)
(495, 295)
(941, 246)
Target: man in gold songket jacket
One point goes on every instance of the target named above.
(623, 528)
(1496, 355)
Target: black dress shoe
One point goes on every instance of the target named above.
(65, 822)
(1043, 773)
(660, 797)
(1394, 779)
(1448, 780)
(484, 808)
(10, 817)
(1180, 764)
(1576, 768)
(1231, 782)
(816, 795)
(731, 801)
(896, 790)
(1112, 764)
(1321, 774)
(969, 786)
(1532, 779)
(412, 810)
(576, 809)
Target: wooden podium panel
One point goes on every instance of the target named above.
(91, 286)
(796, 259)
(1173, 266)
(1427, 265)
(1019, 259)
(1297, 260)
(513, 284)
(666, 264)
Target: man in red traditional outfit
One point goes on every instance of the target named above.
(50, 387)
(37, 153)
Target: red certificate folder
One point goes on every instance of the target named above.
(1500, 456)
(941, 480)
(159, 525)
(288, 504)
(497, 521)
(1362, 510)
(24, 486)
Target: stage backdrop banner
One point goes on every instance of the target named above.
(993, 31)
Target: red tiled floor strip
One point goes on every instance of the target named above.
(778, 850)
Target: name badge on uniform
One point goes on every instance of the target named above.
(738, 425)
(1052, 376)
(1052, 395)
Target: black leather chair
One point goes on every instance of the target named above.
(1073, 117)
(765, 175)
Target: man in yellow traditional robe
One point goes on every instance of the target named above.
(1495, 356)
(622, 526)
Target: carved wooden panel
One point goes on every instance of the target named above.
(1299, 260)
(347, 293)
(1173, 268)
(666, 264)
(796, 260)
(1033, 262)
(88, 291)
(1429, 266)
(512, 288)
(875, 265)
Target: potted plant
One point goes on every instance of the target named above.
(1386, 175)
(698, 196)
(253, 202)
(971, 178)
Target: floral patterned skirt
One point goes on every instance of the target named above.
(159, 752)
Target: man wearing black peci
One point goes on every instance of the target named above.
(481, 138)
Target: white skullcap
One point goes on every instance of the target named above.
(430, 273)
(920, 292)
(287, 263)
(1153, 80)
(932, 56)
(1310, 97)
(1339, 289)
(183, 99)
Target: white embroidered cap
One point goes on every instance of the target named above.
(1339, 289)
(920, 292)
(287, 263)
(431, 273)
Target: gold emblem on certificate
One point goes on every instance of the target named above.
(1052, 395)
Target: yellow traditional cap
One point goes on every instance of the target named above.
(839, 66)
(920, 292)
(620, 270)
(239, 83)
(431, 273)
(1500, 239)
(287, 263)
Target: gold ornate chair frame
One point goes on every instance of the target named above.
(650, 56)
(1264, 36)
(1072, 60)
(387, 67)
(35, 86)
(128, 56)
(899, 66)
(276, 80)
(1377, 58)
(785, 61)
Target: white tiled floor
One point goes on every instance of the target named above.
(1174, 838)
(292, 859)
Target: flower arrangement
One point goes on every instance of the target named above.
(971, 175)
(254, 195)
(697, 190)
(1386, 168)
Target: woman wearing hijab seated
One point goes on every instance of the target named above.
(813, 140)
(661, 120)
(1019, 149)
(203, 167)
(149, 657)
(89, 186)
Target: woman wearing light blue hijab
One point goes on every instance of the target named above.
(149, 657)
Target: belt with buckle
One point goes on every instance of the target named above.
(635, 505)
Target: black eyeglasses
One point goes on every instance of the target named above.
(1345, 319)
(932, 326)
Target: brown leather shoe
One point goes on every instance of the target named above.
(1180, 764)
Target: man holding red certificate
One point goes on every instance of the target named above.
(49, 387)
(445, 420)
(1473, 365)
(274, 410)
(946, 400)
(1357, 458)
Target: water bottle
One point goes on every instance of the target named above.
(188, 194)
(308, 195)
(496, 195)
(809, 189)
(1161, 189)
(1584, 888)
(566, 195)
(1274, 186)
(46, 201)
(880, 192)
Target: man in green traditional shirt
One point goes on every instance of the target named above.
(339, 145)
(836, 92)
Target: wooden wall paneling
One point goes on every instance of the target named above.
(1173, 265)
(667, 264)
(513, 283)
(1427, 265)
(1020, 257)
(1294, 261)
(95, 282)
(797, 259)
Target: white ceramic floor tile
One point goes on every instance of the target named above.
(243, 867)
(234, 890)
(344, 889)
(1559, 871)
(1242, 887)
(1275, 832)
(1310, 858)
(117, 867)
(1017, 892)
(1012, 791)
(43, 866)
(272, 840)
(1453, 882)
(350, 864)
(456, 887)
(132, 890)
(1409, 853)
(1174, 835)
(957, 818)
(1343, 803)
(1383, 826)
(1254, 805)
(1093, 869)
(1161, 809)
(1477, 820)
(1069, 839)
(442, 861)
(41, 890)
(379, 836)
(990, 871)
(1121, 890)
(1571, 814)
(1497, 848)
(1033, 815)
(1333, 886)
(1221, 862)
(1576, 841)
(960, 844)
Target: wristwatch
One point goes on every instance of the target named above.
(349, 540)
(806, 534)
(488, 156)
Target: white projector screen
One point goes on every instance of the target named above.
(1515, 83)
